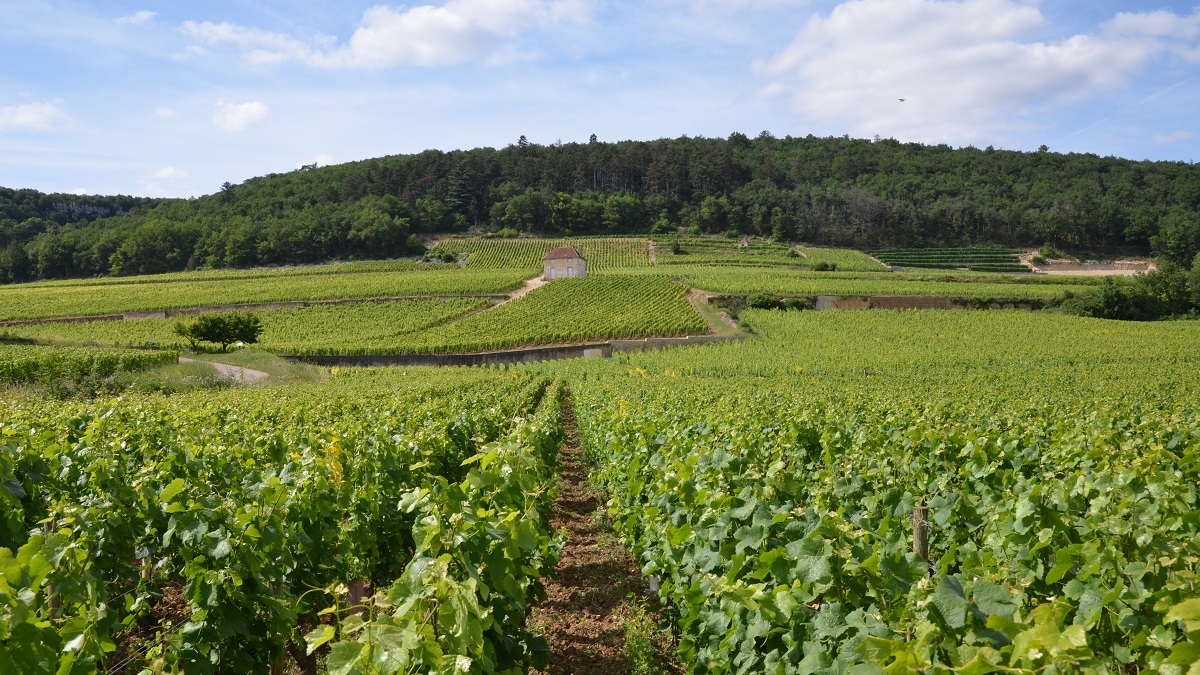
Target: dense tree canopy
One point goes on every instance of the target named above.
(837, 191)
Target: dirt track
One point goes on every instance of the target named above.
(236, 373)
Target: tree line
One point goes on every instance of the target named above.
(835, 191)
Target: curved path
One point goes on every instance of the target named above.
(236, 373)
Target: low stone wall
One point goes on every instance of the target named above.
(64, 319)
(823, 302)
(530, 355)
(527, 355)
(1098, 266)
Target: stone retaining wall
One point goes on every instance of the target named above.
(823, 302)
(527, 355)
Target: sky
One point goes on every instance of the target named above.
(170, 99)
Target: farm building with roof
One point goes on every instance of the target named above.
(564, 262)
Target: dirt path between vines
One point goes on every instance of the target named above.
(581, 618)
(236, 373)
(530, 285)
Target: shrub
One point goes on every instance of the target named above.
(763, 301)
(825, 267)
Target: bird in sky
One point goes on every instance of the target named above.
(903, 100)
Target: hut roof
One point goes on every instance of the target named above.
(563, 253)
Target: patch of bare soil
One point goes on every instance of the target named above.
(1088, 268)
(167, 613)
(650, 250)
(596, 581)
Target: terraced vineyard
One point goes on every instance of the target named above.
(851, 493)
(37, 301)
(804, 283)
(364, 327)
(602, 254)
(978, 259)
(158, 548)
(696, 251)
(570, 310)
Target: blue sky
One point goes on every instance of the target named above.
(173, 99)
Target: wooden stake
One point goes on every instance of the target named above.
(277, 666)
(355, 595)
(51, 591)
(921, 531)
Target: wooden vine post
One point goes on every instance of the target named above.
(355, 595)
(51, 590)
(278, 666)
(921, 532)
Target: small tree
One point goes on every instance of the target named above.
(187, 331)
(222, 329)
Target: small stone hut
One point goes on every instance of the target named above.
(564, 262)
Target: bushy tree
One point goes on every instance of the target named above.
(223, 329)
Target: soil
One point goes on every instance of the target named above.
(170, 612)
(596, 581)
(650, 250)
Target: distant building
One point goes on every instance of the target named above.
(564, 262)
(744, 242)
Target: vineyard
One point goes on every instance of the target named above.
(601, 254)
(36, 301)
(220, 274)
(804, 283)
(368, 327)
(695, 251)
(570, 310)
(978, 259)
(778, 514)
(433, 498)
(39, 363)
(843, 492)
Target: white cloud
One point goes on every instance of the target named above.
(239, 116)
(137, 18)
(1160, 23)
(426, 35)
(163, 112)
(78, 191)
(961, 65)
(36, 116)
(1174, 137)
(169, 173)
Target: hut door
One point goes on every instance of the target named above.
(570, 271)
(551, 273)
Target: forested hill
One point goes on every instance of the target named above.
(837, 191)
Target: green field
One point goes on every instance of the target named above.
(804, 283)
(363, 327)
(766, 487)
(570, 310)
(602, 254)
(21, 363)
(36, 301)
(694, 251)
(771, 485)
(978, 259)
